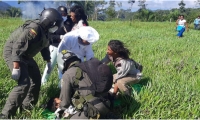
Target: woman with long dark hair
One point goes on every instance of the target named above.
(78, 17)
(128, 71)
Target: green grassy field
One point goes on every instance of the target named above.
(171, 68)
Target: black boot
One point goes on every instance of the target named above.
(2, 116)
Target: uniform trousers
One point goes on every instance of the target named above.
(26, 92)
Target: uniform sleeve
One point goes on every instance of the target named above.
(21, 44)
(54, 38)
(45, 53)
(66, 91)
(89, 52)
(106, 59)
(123, 67)
(68, 24)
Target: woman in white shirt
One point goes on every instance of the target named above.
(182, 24)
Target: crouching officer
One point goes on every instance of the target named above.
(86, 86)
(23, 44)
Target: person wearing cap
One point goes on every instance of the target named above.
(78, 17)
(82, 81)
(80, 42)
(55, 39)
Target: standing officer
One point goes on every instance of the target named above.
(23, 44)
(55, 39)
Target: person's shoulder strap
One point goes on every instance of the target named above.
(78, 76)
(28, 22)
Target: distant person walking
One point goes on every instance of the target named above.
(197, 23)
(182, 25)
(179, 17)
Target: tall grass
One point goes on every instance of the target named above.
(171, 68)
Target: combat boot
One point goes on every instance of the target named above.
(2, 116)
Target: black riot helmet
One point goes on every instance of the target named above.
(50, 17)
(62, 10)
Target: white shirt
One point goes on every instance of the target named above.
(70, 43)
(78, 25)
(182, 22)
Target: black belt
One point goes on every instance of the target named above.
(25, 57)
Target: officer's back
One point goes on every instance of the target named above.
(85, 85)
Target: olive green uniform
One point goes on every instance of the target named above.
(69, 86)
(23, 44)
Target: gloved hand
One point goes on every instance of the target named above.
(49, 67)
(15, 74)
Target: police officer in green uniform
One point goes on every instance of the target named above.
(85, 86)
(23, 44)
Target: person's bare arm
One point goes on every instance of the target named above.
(115, 89)
(177, 21)
(16, 65)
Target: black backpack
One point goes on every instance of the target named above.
(99, 74)
(101, 78)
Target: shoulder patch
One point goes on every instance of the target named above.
(32, 32)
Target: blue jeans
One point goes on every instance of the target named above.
(195, 26)
(180, 33)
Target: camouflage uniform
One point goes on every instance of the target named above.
(68, 89)
(23, 44)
